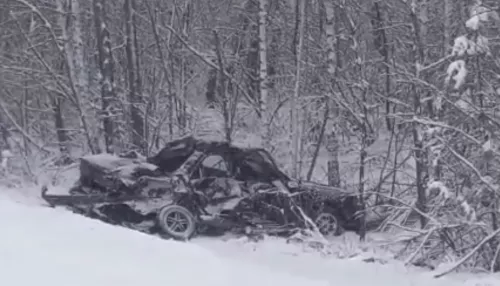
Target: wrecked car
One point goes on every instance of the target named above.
(197, 187)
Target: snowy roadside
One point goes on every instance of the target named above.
(42, 246)
(56, 247)
(295, 259)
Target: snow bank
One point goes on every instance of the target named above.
(293, 259)
(42, 246)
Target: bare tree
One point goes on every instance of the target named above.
(301, 7)
(106, 67)
(263, 80)
(134, 80)
(332, 143)
(418, 16)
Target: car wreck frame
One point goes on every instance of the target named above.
(183, 160)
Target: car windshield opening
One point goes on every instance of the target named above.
(259, 165)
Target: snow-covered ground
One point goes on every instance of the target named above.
(43, 246)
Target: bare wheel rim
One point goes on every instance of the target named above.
(177, 222)
(327, 224)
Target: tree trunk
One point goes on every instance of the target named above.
(418, 13)
(138, 85)
(381, 43)
(62, 136)
(263, 85)
(211, 87)
(221, 88)
(80, 70)
(320, 140)
(107, 77)
(301, 7)
(332, 142)
(70, 21)
(134, 92)
(448, 8)
(23, 111)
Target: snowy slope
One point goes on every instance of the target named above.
(288, 258)
(42, 246)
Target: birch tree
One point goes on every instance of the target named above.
(301, 7)
(70, 22)
(332, 143)
(263, 80)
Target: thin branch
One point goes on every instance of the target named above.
(205, 60)
(471, 167)
(469, 255)
(17, 126)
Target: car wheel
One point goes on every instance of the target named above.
(328, 224)
(177, 222)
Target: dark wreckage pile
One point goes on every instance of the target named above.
(194, 187)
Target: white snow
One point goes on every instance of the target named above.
(440, 187)
(464, 105)
(5, 155)
(457, 71)
(487, 146)
(473, 23)
(43, 246)
(460, 46)
(290, 258)
(478, 14)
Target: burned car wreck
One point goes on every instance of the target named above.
(197, 187)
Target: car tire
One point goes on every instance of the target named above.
(328, 223)
(177, 222)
